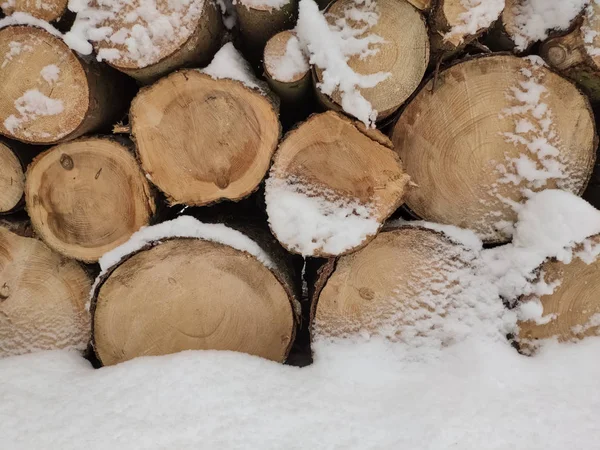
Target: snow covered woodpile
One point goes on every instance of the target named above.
(379, 145)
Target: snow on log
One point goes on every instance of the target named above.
(259, 20)
(455, 23)
(572, 310)
(13, 163)
(486, 132)
(42, 298)
(390, 66)
(286, 68)
(87, 197)
(577, 54)
(47, 93)
(202, 140)
(332, 185)
(47, 10)
(187, 285)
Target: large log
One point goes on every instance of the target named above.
(42, 298)
(48, 10)
(332, 185)
(203, 140)
(147, 48)
(48, 94)
(191, 293)
(404, 54)
(486, 131)
(87, 197)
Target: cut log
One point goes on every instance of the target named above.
(456, 23)
(404, 54)
(191, 42)
(48, 94)
(42, 298)
(486, 131)
(572, 311)
(48, 10)
(203, 140)
(12, 180)
(286, 68)
(577, 54)
(259, 20)
(192, 294)
(386, 287)
(421, 5)
(87, 197)
(332, 184)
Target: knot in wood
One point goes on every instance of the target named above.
(66, 161)
(557, 55)
(4, 291)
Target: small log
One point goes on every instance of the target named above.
(87, 197)
(193, 294)
(259, 21)
(572, 311)
(14, 159)
(191, 43)
(48, 10)
(486, 131)
(404, 54)
(576, 55)
(332, 184)
(291, 86)
(203, 140)
(42, 298)
(48, 94)
(381, 288)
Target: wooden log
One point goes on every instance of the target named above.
(286, 68)
(192, 42)
(486, 131)
(572, 311)
(194, 294)
(404, 54)
(421, 5)
(14, 159)
(332, 185)
(48, 10)
(259, 20)
(203, 140)
(42, 298)
(48, 94)
(386, 287)
(87, 197)
(577, 54)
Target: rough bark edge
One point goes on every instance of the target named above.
(378, 138)
(24, 154)
(273, 102)
(102, 278)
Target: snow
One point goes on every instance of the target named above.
(274, 4)
(590, 28)
(479, 15)
(229, 63)
(534, 19)
(14, 49)
(50, 73)
(32, 105)
(308, 219)
(21, 18)
(290, 65)
(228, 13)
(329, 46)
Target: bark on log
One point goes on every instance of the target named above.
(572, 311)
(404, 54)
(193, 294)
(203, 140)
(485, 131)
(42, 298)
(48, 94)
(378, 288)
(193, 43)
(337, 170)
(577, 54)
(48, 10)
(14, 159)
(87, 197)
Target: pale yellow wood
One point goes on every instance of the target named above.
(87, 197)
(421, 5)
(48, 10)
(203, 140)
(42, 298)
(190, 294)
(12, 179)
(451, 142)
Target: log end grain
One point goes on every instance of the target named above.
(48, 10)
(12, 179)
